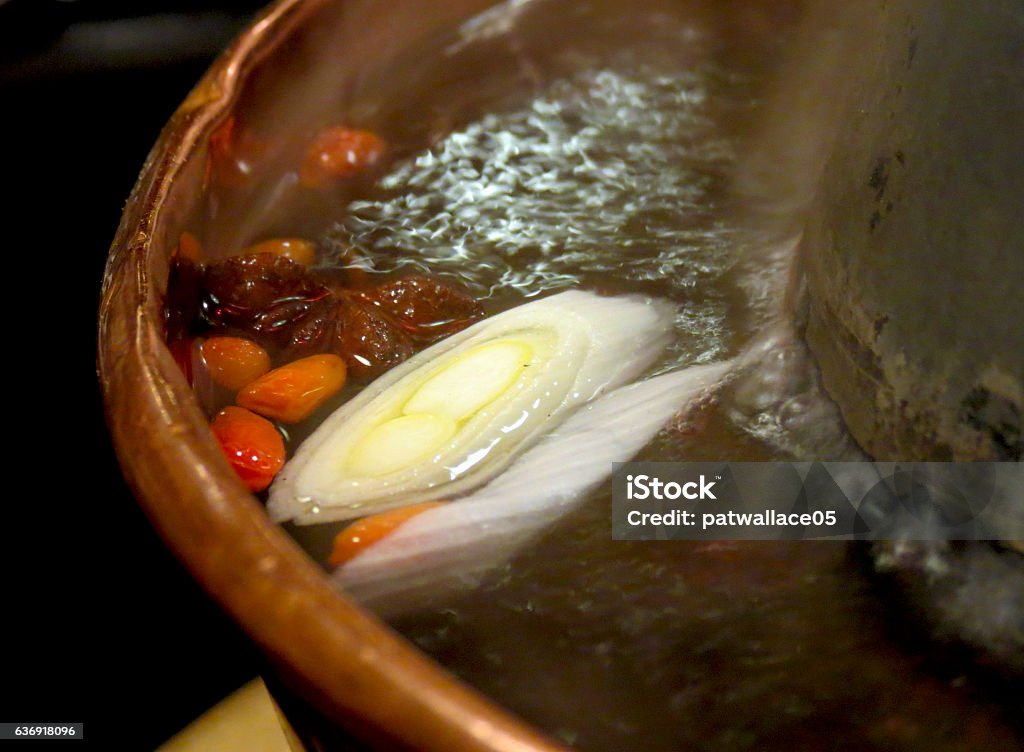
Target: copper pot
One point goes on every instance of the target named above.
(328, 651)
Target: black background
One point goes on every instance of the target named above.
(99, 623)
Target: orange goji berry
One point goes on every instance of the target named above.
(292, 392)
(234, 362)
(235, 155)
(296, 249)
(362, 534)
(339, 152)
(252, 444)
(189, 247)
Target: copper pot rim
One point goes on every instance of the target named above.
(345, 661)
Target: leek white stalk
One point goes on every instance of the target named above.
(452, 417)
(452, 546)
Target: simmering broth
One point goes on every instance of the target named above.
(560, 145)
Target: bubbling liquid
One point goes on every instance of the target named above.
(597, 153)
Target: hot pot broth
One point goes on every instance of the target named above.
(603, 166)
(601, 161)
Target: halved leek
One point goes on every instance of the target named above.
(451, 546)
(452, 417)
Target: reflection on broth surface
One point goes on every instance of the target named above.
(606, 178)
(613, 175)
(668, 646)
(593, 149)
